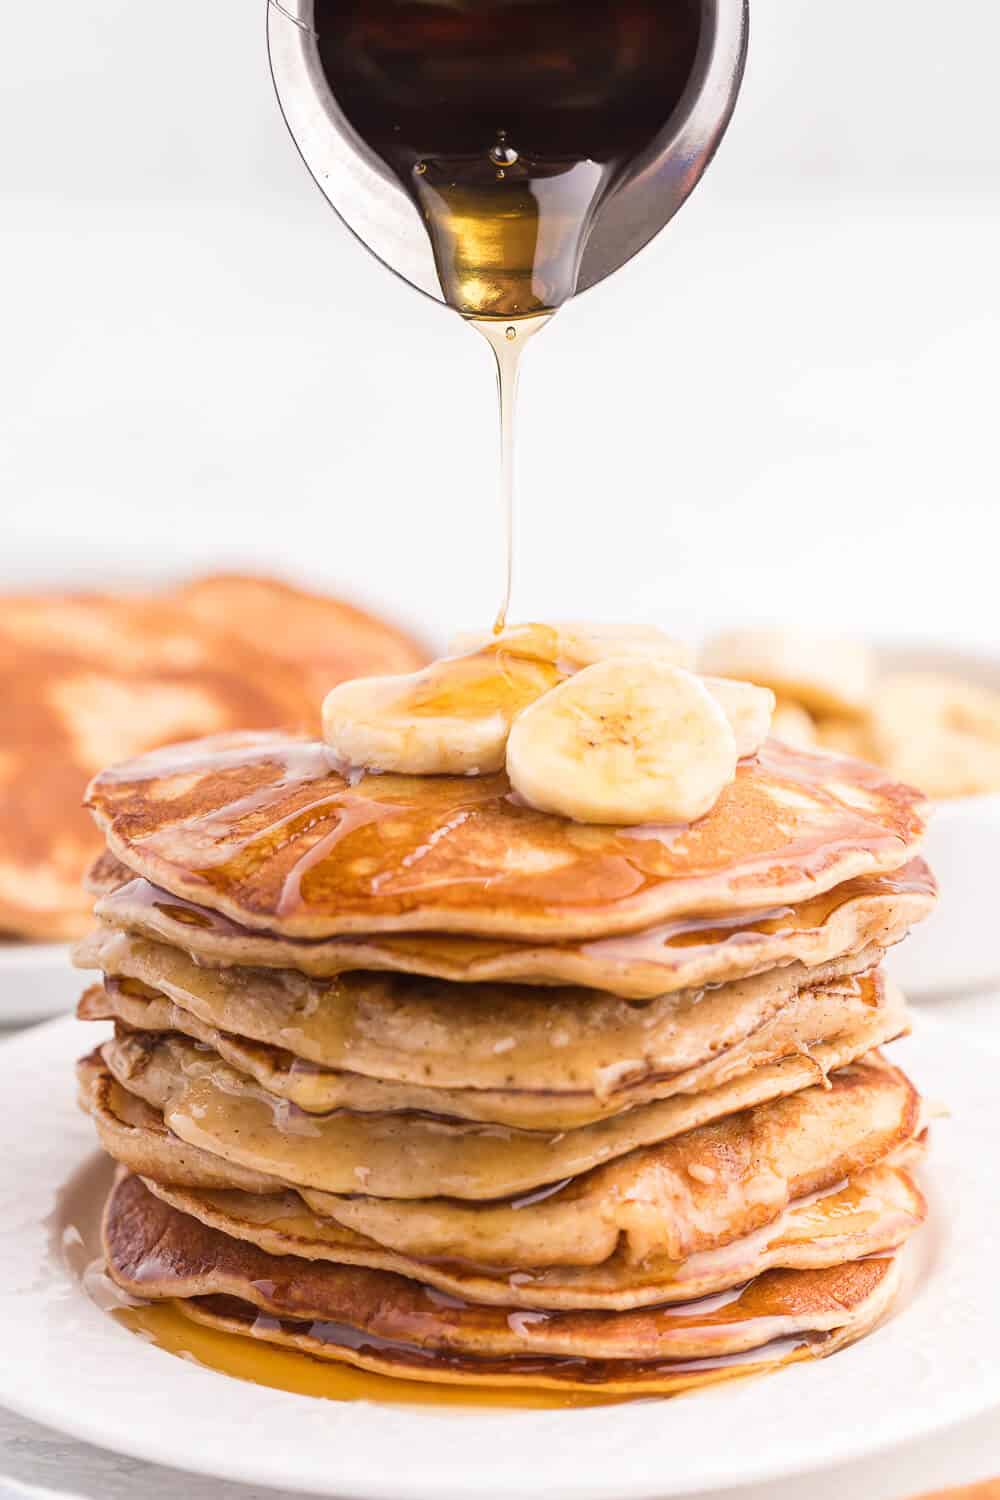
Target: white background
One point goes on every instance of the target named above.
(787, 406)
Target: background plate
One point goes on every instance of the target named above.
(37, 981)
(67, 1364)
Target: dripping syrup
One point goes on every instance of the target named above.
(508, 124)
(299, 1374)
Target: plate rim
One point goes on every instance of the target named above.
(39, 983)
(17, 953)
(63, 1139)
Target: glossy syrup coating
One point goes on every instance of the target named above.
(262, 829)
(155, 1251)
(871, 1212)
(684, 953)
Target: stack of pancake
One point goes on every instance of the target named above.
(408, 1075)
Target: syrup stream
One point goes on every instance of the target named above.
(508, 341)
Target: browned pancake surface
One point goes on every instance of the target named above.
(697, 1191)
(417, 1155)
(676, 955)
(521, 1056)
(874, 1212)
(262, 829)
(155, 1251)
(607, 1378)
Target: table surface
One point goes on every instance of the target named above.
(37, 1462)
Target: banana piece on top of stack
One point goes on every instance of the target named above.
(524, 1031)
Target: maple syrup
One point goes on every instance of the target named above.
(249, 1355)
(277, 832)
(138, 904)
(76, 1241)
(269, 1365)
(508, 123)
(508, 341)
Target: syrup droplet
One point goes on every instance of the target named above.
(504, 156)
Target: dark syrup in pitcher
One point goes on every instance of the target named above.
(507, 122)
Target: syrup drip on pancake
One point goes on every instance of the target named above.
(688, 952)
(263, 830)
(382, 1322)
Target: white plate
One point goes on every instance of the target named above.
(37, 981)
(67, 1364)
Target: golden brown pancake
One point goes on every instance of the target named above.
(683, 954)
(90, 679)
(669, 1199)
(320, 639)
(695, 1192)
(260, 828)
(154, 1251)
(415, 1155)
(873, 1213)
(536, 1059)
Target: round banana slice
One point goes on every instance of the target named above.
(577, 644)
(624, 741)
(749, 710)
(938, 733)
(824, 676)
(793, 724)
(452, 718)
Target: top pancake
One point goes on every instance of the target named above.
(261, 828)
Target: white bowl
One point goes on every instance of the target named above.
(958, 947)
(37, 980)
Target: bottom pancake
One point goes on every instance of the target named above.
(609, 1378)
(387, 1322)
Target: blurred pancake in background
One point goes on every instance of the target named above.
(930, 727)
(323, 641)
(90, 679)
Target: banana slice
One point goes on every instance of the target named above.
(846, 737)
(748, 709)
(824, 676)
(939, 733)
(575, 645)
(793, 724)
(452, 718)
(623, 741)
